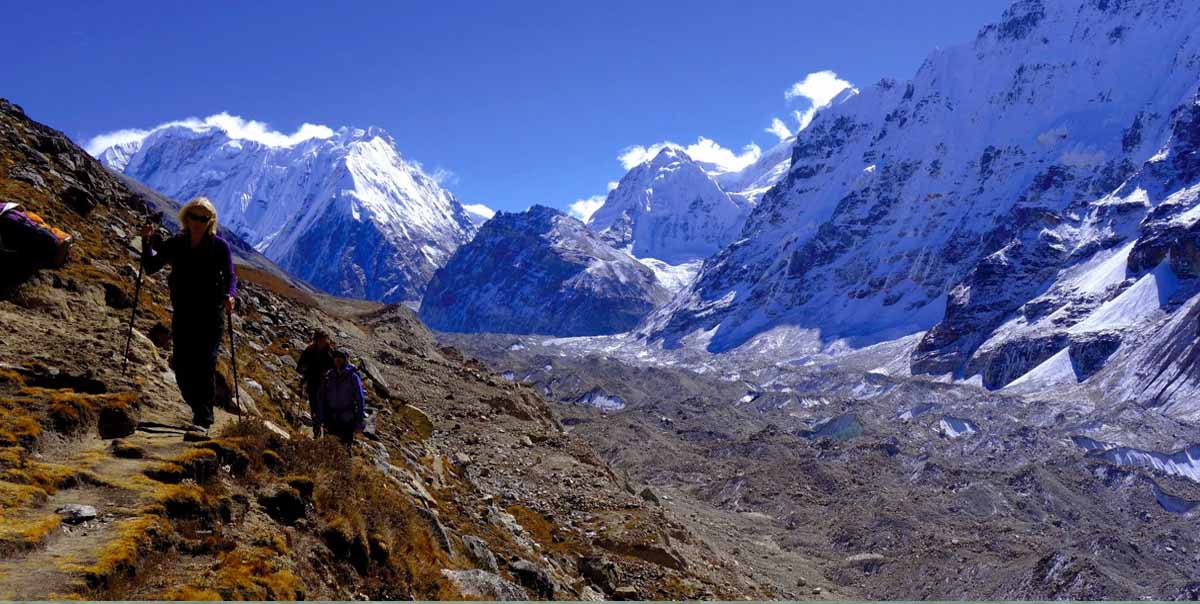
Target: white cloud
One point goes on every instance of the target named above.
(705, 150)
(584, 208)
(479, 209)
(444, 177)
(779, 129)
(235, 126)
(110, 139)
(612, 185)
(819, 88)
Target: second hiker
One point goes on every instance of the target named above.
(341, 401)
(203, 284)
(315, 362)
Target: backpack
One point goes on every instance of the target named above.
(28, 242)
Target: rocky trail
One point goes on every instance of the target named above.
(465, 485)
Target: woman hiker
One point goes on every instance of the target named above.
(203, 284)
(341, 401)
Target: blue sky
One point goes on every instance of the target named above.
(520, 102)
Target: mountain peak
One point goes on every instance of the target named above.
(669, 154)
(543, 272)
(349, 192)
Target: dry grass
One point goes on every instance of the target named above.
(256, 573)
(26, 535)
(365, 518)
(137, 538)
(187, 593)
(197, 464)
(275, 285)
(542, 531)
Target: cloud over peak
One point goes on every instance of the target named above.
(819, 88)
(234, 126)
(704, 150)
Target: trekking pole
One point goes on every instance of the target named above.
(237, 399)
(137, 296)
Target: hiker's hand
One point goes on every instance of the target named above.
(229, 304)
(148, 233)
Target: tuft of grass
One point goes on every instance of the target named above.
(190, 594)
(197, 464)
(123, 556)
(16, 537)
(126, 450)
(185, 501)
(256, 573)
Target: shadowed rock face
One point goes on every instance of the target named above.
(540, 272)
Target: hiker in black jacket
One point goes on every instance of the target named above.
(203, 284)
(315, 362)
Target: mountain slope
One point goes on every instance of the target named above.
(948, 202)
(539, 271)
(382, 224)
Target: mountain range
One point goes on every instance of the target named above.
(1001, 203)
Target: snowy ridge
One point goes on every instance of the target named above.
(540, 272)
(383, 224)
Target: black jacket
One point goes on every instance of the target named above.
(201, 277)
(314, 364)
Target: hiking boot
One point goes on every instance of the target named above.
(195, 433)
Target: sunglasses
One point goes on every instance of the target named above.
(197, 217)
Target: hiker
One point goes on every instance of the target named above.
(315, 362)
(341, 402)
(203, 284)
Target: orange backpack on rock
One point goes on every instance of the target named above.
(28, 243)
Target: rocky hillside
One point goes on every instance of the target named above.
(540, 271)
(464, 486)
(383, 224)
(1012, 200)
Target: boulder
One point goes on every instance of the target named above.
(600, 572)
(285, 505)
(533, 578)
(478, 552)
(74, 513)
(419, 420)
(649, 495)
(482, 585)
(117, 421)
(626, 593)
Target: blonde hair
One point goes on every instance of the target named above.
(204, 204)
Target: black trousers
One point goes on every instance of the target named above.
(344, 432)
(196, 339)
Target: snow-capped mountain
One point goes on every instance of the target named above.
(1008, 199)
(540, 272)
(478, 213)
(346, 213)
(671, 209)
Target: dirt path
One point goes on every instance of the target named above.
(72, 558)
